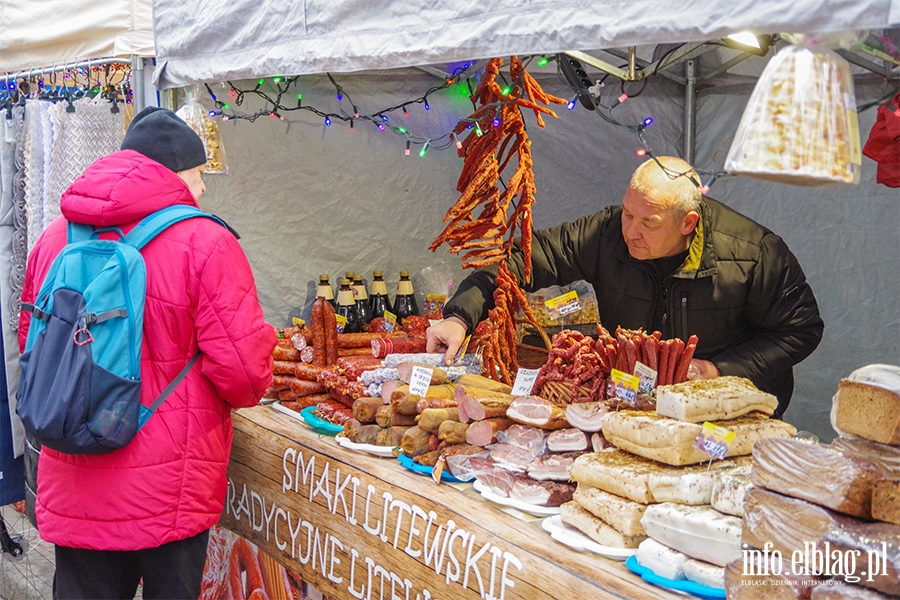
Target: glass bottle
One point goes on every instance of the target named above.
(346, 307)
(324, 290)
(362, 302)
(405, 300)
(378, 296)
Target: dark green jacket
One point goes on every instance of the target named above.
(740, 290)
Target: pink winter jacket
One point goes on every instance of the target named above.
(169, 482)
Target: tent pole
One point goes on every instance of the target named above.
(690, 110)
(137, 83)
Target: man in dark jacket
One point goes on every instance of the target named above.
(672, 260)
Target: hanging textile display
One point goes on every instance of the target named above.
(83, 136)
(38, 143)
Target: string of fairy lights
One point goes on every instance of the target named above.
(286, 92)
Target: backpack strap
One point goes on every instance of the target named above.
(154, 223)
(147, 411)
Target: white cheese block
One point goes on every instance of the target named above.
(660, 559)
(729, 491)
(703, 573)
(598, 530)
(699, 531)
(622, 514)
(716, 399)
(646, 481)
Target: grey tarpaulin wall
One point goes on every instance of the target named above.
(310, 199)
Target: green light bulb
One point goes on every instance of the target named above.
(401, 130)
(277, 80)
(543, 61)
(261, 81)
(422, 152)
(226, 107)
(506, 91)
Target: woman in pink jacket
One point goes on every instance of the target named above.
(144, 511)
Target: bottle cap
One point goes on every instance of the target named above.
(357, 278)
(377, 274)
(404, 273)
(345, 282)
(349, 275)
(323, 277)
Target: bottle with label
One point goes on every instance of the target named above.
(362, 302)
(346, 307)
(378, 296)
(405, 300)
(323, 290)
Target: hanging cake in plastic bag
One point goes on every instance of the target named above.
(800, 125)
(197, 118)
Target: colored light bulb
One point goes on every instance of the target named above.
(641, 152)
(381, 126)
(427, 107)
(543, 61)
(423, 150)
(407, 147)
(327, 121)
(405, 112)
(648, 121)
(384, 118)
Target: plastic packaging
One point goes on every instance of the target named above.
(800, 125)
(198, 119)
(878, 547)
(818, 473)
(587, 313)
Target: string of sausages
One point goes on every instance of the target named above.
(580, 361)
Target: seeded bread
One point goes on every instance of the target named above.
(878, 547)
(620, 513)
(716, 399)
(886, 501)
(597, 529)
(867, 404)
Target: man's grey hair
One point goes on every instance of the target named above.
(675, 182)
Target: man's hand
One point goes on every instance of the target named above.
(704, 369)
(446, 336)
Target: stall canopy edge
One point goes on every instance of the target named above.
(247, 39)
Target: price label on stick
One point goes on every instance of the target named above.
(563, 305)
(420, 380)
(435, 301)
(525, 379)
(341, 322)
(462, 350)
(297, 322)
(626, 385)
(714, 440)
(647, 377)
(390, 321)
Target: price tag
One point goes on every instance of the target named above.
(714, 440)
(625, 385)
(390, 321)
(341, 322)
(462, 349)
(438, 469)
(525, 379)
(435, 302)
(420, 380)
(563, 305)
(647, 377)
(297, 322)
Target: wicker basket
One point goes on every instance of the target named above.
(531, 357)
(560, 393)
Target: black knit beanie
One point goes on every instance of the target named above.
(162, 135)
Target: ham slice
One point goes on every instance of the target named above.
(498, 479)
(524, 436)
(553, 467)
(541, 493)
(567, 440)
(535, 411)
(586, 416)
(512, 457)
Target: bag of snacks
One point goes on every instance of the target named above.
(800, 125)
(199, 120)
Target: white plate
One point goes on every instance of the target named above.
(573, 538)
(532, 509)
(291, 413)
(382, 451)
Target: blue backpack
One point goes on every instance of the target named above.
(80, 390)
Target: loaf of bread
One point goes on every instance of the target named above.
(645, 481)
(716, 399)
(867, 404)
(755, 579)
(698, 531)
(885, 457)
(886, 501)
(788, 524)
(598, 530)
(671, 442)
(838, 590)
(818, 473)
(620, 513)
(729, 491)
(877, 546)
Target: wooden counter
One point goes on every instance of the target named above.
(356, 526)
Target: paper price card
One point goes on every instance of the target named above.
(625, 385)
(647, 377)
(563, 305)
(390, 321)
(296, 322)
(525, 379)
(341, 322)
(435, 302)
(462, 349)
(714, 440)
(420, 380)
(438, 469)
